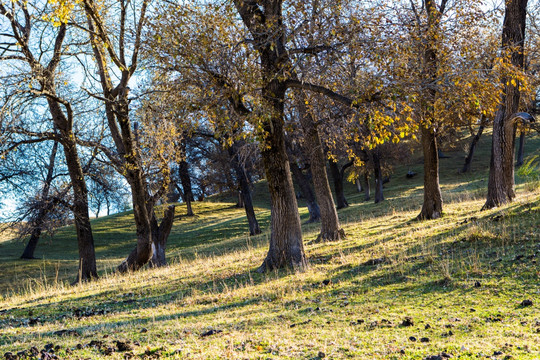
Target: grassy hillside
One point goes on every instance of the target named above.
(394, 289)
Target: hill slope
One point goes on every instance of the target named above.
(394, 289)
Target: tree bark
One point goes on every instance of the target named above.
(160, 234)
(472, 147)
(501, 170)
(432, 207)
(45, 207)
(306, 191)
(521, 149)
(245, 191)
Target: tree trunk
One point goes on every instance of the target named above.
(45, 207)
(266, 26)
(306, 191)
(367, 195)
(378, 176)
(521, 149)
(183, 171)
(143, 251)
(472, 147)
(30, 248)
(245, 191)
(358, 185)
(286, 246)
(330, 228)
(501, 170)
(338, 184)
(81, 212)
(432, 207)
(160, 234)
(240, 202)
(87, 256)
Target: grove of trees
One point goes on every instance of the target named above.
(112, 104)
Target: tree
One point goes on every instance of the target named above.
(109, 53)
(501, 170)
(21, 48)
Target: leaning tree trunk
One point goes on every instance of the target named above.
(306, 191)
(338, 185)
(521, 150)
(501, 170)
(330, 228)
(45, 207)
(432, 207)
(472, 147)
(245, 191)
(378, 176)
(85, 239)
(87, 256)
(160, 234)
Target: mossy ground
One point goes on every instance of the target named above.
(454, 285)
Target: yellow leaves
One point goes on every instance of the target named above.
(61, 11)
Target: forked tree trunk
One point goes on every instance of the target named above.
(160, 234)
(306, 192)
(472, 146)
(330, 228)
(378, 177)
(432, 207)
(117, 108)
(521, 150)
(245, 191)
(143, 251)
(501, 170)
(45, 207)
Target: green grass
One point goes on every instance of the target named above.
(350, 303)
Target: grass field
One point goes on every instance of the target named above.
(466, 285)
